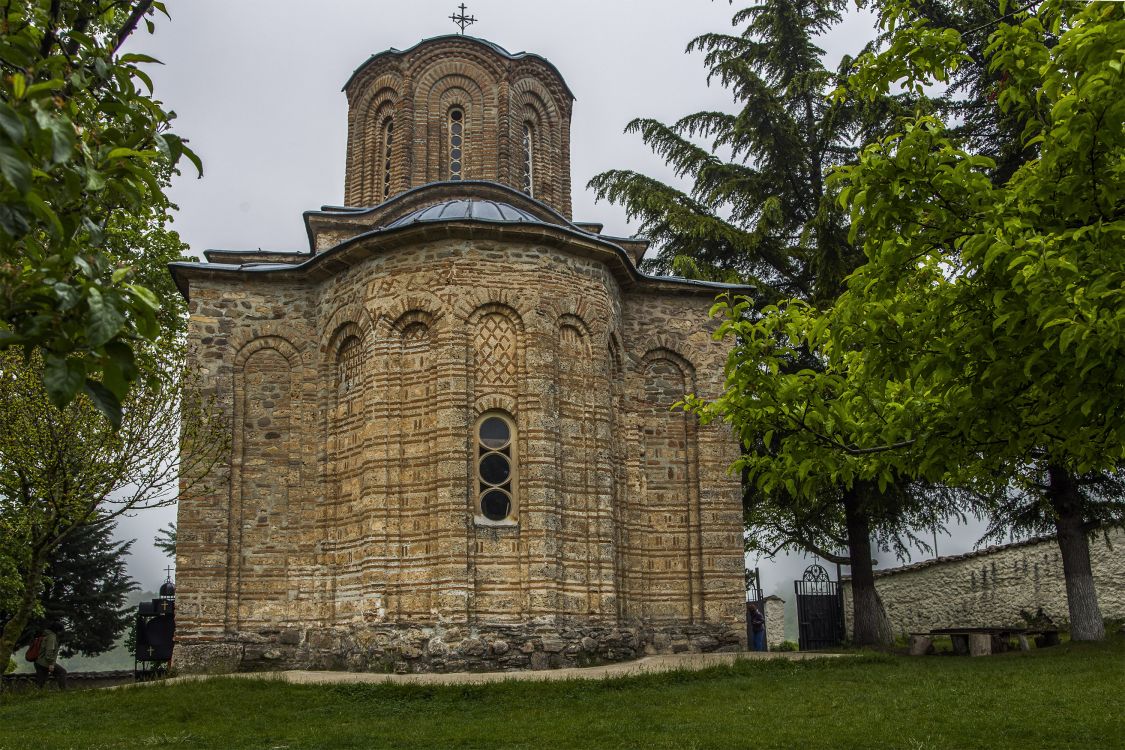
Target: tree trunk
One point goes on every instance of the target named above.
(1082, 599)
(870, 625)
(14, 628)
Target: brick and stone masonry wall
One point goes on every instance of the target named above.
(341, 534)
(991, 587)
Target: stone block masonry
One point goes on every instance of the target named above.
(775, 621)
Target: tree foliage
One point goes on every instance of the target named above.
(980, 342)
(767, 215)
(86, 587)
(82, 145)
(65, 469)
(165, 540)
(758, 209)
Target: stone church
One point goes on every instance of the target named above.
(452, 442)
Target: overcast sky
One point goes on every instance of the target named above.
(256, 86)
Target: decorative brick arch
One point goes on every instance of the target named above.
(379, 99)
(348, 315)
(259, 510)
(261, 341)
(417, 306)
(430, 65)
(455, 84)
(469, 306)
(584, 314)
(411, 319)
(495, 402)
(531, 101)
(666, 350)
(569, 320)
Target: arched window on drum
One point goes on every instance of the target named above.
(456, 128)
(496, 468)
(528, 159)
(388, 153)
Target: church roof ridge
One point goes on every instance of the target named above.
(466, 37)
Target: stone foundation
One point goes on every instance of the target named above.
(437, 648)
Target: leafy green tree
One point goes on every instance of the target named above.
(82, 145)
(65, 469)
(968, 102)
(766, 215)
(980, 344)
(87, 588)
(1033, 315)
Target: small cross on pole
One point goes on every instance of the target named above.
(461, 19)
(168, 571)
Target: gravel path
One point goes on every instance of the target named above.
(647, 665)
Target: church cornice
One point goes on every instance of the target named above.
(397, 54)
(353, 251)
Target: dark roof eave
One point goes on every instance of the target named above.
(624, 269)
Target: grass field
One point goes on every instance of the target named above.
(1070, 696)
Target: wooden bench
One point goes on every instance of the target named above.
(983, 641)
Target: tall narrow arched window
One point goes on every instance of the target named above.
(456, 142)
(348, 362)
(496, 467)
(528, 159)
(388, 140)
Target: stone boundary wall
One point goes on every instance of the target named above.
(991, 587)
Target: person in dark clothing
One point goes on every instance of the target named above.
(757, 629)
(47, 665)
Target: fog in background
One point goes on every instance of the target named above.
(256, 87)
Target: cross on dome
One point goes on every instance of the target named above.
(461, 19)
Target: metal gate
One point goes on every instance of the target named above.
(820, 610)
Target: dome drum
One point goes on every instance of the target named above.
(453, 108)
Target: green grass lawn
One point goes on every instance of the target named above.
(1070, 696)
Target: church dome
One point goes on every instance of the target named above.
(480, 210)
(456, 108)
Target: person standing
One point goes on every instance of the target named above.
(47, 665)
(757, 629)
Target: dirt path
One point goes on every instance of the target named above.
(647, 665)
